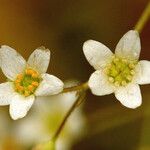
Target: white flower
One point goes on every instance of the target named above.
(26, 80)
(118, 73)
(41, 125)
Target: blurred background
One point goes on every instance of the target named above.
(63, 26)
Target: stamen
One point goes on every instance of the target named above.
(129, 77)
(35, 84)
(17, 81)
(19, 77)
(26, 93)
(29, 71)
(123, 83)
(111, 79)
(117, 83)
(31, 88)
(34, 75)
(20, 88)
(132, 72)
(132, 66)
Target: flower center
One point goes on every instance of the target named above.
(120, 71)
(27, 83)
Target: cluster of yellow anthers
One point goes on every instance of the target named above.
(27, 82)
(120, 71)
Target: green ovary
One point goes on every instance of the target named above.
(120, 71)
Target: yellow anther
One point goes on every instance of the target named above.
(35, 75)
(20, 77)
(35, 84)
(30, 87)
(108, 66)
(123, 83)
(132, 72)
(117, 83)
(17, 81)
(16, 88)
(29, 71)
(26, 93)
(111, 79)
(19, 88)
(132, 66)
(17, 84)
(129, 77)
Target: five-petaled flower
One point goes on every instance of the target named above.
(26, 80)
(118, 73)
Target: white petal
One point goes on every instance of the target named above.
(143, 72)
(96, 53)
(50, 85)
(12, 63)
(20, 105)
(129, 45)
(6, 93)
(99, 84)
(129, 96)
(39, 59)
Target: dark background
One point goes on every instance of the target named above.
(63, 26)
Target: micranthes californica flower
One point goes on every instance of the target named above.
(119, 73)
(26, 80)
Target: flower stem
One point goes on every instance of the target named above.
(143, 19)
(76, 88)
(74, 105)
(82, 92)
(83, 87)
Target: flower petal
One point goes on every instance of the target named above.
(39, 59)
(50, 85)
(129, 45)
(6, 93)
(129, 96)
(99, 84)
(12, 63)
(96, 53)
(20, 105)
(143, 72)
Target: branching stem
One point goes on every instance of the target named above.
(76, 88)
(83, 87)
(79, 99)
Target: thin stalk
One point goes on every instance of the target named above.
(58, 131)
(76, 88)
(143, 19)
(83, 87)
